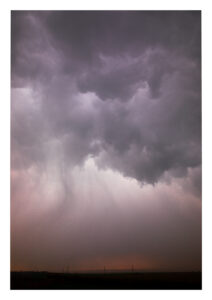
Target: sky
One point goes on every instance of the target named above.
(106, 140)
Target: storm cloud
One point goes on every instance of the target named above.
(106, 139)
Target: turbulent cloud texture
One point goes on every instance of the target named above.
(106, 139)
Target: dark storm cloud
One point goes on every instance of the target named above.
(153, 136)
(83, 36)
(32, 57)
(114, 58)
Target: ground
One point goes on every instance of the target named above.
(101, 281)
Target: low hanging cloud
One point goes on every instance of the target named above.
(121, 90)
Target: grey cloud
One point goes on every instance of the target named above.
(83, 36)
(33, 59)
(149, 137)
(144, 137)
(122, 80)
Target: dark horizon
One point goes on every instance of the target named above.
(107, 271)
(105, 281)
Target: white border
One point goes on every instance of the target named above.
(106, 5)
(5, 143)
